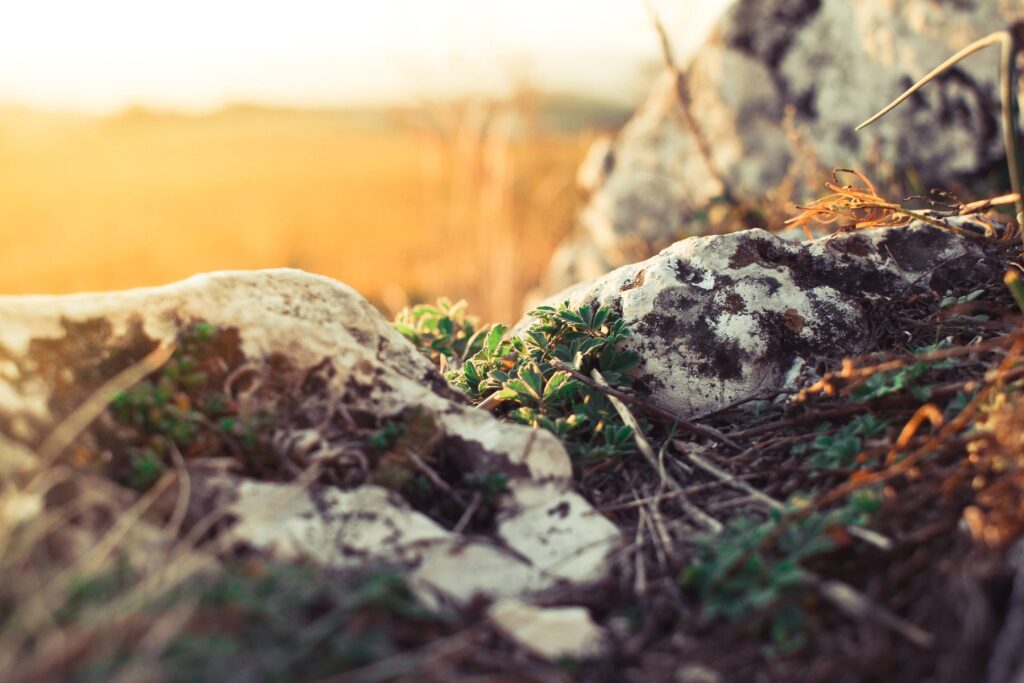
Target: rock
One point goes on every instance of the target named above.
(467, 569)
(724, 318)
(324, 363)
(596, 166)
(556, 533)
(334, 528)
(696, 673)
(574, 260)
(551, 633)
(827, 65)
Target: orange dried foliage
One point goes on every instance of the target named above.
(848, 206)
(997, 516)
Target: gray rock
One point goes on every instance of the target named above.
(55, 351)
(831, 63)
(725, 318)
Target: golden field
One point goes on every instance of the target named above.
(465, 202)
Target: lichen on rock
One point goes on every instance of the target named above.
(339, 387)
(725, 318)
(723, 134)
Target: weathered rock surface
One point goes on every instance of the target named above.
(831, 63)
(730, 317)
(55, 351)
(551, 633)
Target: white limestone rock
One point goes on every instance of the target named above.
(729, 317)
(55, 351)
(332, 527)
(551, 633)
(467, 568)
(564, 537)
(547, 539)
(832, 64)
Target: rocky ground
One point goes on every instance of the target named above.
(739, 458)
(670, 474)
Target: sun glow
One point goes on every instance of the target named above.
(196, 54)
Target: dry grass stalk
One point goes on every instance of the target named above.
(644, 446)
(856, 207)
(75, 423)
(1010, 43)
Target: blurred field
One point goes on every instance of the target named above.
(465, 201)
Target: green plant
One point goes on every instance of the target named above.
(907, 378)
(440, 330)
(956, 300)
(146, 468)
(756, 563)
(528, 374)
(183, 406)
(490, 486)
(258, 621)
(386, 437)
(840, 448)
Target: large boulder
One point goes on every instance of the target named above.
(778, 87)
(725, 318)
(324, 370)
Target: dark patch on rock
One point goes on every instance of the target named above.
(318, 377)
(646, 384)
(687, 274)
(356, 391)
(805, 104)
(470, 457)
(753, 250)
(764, 30)
(669, 306)
(849, 275)
(914, 250)
(849, 139)
(793, 321)
(561, 510)
(770, 284)
(854, 245)
(77, 363)
(634, 282)
(363, 337)
(734, 303)
(323, 507)
(723, 358)
(439, 385)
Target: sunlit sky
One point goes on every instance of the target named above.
(103, 55)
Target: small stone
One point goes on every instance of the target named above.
(696, 673)
(550, 633)
(463, 570)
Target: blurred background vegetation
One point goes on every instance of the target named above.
(468, 199)
(410, 150)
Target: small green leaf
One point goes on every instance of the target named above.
(557, 385)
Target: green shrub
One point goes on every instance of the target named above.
(440, 330)
(527, 374)
(756, 563)
(841, 448)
